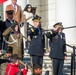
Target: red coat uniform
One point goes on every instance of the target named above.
(12, 69)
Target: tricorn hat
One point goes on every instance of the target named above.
(36, 18)
(10, 12)
(58, 24)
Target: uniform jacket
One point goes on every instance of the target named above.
(18, 44)
(18, 16)
(3, 64)
(5, 24)
(2, 28)
(12, 69)
(8, 23)
(57, 44)
(37, 42)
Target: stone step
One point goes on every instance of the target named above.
(50, 72)
(48, 58)
(47, 53)
(47, 63)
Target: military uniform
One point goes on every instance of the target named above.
(36, 48)
(58, 50)
(8, 23)
(5, 24)
(1, 31)
(3, 65)
(15, 41)
(3, 27)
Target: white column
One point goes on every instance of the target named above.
(22, 3)
(27, 1)
(51, 13)
(66, 13)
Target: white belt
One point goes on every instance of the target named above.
(14, 41)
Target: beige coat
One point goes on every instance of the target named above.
(17, 46)
(18, 15)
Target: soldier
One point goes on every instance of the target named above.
(36, 48)
(1, 31)
(5, 24)
(15, 39)
(6, 58)
(9, 19)
(58, 48)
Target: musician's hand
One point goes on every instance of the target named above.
(26, 67)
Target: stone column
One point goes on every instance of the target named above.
(66, 13)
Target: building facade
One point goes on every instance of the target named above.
(53, 11)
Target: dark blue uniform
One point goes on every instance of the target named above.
(58, 50)
(36, 48)
(6, 24)
(2, 28)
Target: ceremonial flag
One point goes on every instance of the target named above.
(2, 1)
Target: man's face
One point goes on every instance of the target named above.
(10, 16)
(58, 29)
(38, 71)
(14, 1)
(8, 54)
(36, 24)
